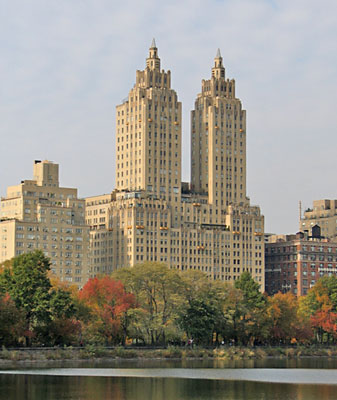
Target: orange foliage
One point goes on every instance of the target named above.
(283, 316)
(325, 319)
(63, 285)
(286, 324)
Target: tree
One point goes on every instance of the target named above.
(27, 283)
(45, 308)
(286, 325)
(250, 289)
(325, 321)
(3, 268)
(199, 320)
(325, 290)
(201, 315)
(158, 295)
(109, 304)
(320, 307)
(234, 309)
(63, 326)
(12, 322)
(253, 324)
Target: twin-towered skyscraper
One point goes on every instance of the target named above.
(205, 225)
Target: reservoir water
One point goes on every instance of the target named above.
(307, 379)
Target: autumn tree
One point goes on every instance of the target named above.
(109, 305)
(320, 306)
(12, 322)
(286, 325)
(324, 321)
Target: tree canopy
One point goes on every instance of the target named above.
(25, 279)
(153, 304)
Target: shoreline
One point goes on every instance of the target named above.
(99, 354)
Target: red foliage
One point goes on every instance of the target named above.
(109, 302)
(12, 322)
(105, 292)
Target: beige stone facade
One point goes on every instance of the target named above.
(39, 214)
(207, 225)
(218, 141)
(148, 131)
(324, 214)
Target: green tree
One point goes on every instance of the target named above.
(199, 320)
(25, 279)
(251, 291)
(201, 315)
(158, 292)
(234, 309)
(253, 318)
(62, 326)
(3, 270)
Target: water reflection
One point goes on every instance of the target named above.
(22, 387)
(268, 375)
(28, 387)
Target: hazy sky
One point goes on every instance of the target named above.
(66, 64)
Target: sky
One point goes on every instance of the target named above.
(66, 64)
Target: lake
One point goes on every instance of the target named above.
(305, 379)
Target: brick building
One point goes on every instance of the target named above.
(295, 262)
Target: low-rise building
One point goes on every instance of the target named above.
(295, 262)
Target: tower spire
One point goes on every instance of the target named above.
(153, 61)
(218, 71)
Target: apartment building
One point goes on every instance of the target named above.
(40, 214)
(295, 262)
(208, 224)
(324, 214)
